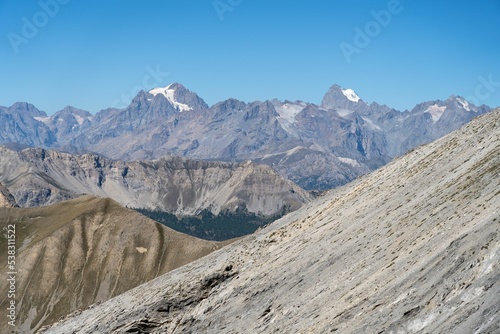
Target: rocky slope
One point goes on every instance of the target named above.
(316, 146)
(6, 198)
(81, 252)
(41, 177)
(413, 247)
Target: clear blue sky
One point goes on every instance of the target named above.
(93, 54)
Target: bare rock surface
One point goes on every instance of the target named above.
(413, 247)
(38, 177)
(6, 198)
(81, 252)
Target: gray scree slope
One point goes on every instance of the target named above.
(413, 247)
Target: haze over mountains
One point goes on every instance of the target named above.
(316, 146)
(413, 247)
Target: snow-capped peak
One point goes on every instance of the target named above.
(351, 95)
(169, 93)
(464, 103)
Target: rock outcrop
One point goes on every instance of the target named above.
(6, 198)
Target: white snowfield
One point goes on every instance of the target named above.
(170, 95)
(436, 112)
(464, 103)
(288, 111)
(351, 94)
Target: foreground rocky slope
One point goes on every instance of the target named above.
(85, 251)
(41, 177)
(413, 247)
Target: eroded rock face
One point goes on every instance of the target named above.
(84, 251)
(6, 198)
(413, 247)
(39, 177)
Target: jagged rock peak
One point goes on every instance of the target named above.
(338, 97)
(180, 97)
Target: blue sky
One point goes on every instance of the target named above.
(95, 54)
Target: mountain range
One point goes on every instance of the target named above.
(316, 146)
(412, 247)
(38, 177)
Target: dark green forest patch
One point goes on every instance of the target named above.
(206, 225)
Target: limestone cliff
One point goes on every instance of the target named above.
(40, 177)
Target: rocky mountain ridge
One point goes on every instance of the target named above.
(413, 247)
(181, 186)
(316, 146)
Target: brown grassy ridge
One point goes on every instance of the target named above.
(84, 251)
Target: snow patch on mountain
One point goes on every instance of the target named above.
(81, 119)
(44, 120)
(351, 95)
(464, 103)
(436, 111)
(170, 95)
(288, 111)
